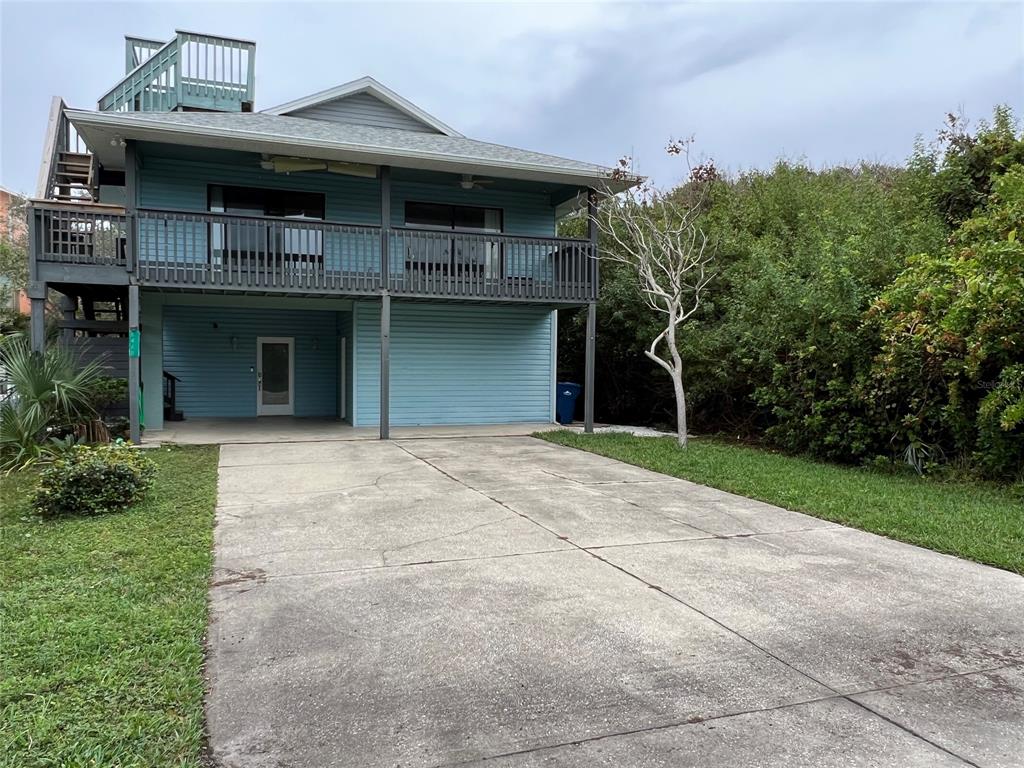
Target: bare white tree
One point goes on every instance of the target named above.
(658, 236)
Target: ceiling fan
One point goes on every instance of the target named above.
(279, 164)
(468, 182)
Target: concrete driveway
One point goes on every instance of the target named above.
(509, 602)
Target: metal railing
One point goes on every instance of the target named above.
(228, 252)
(191, 70)
(80, 233)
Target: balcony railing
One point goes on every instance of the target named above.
(79, 233)
(191, 70)
(227, 252)
(427, 262)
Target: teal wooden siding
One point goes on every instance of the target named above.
(524, 213)
(169, 179)
(456, 364)
(345, 328)
(363, 109)
(215, 364)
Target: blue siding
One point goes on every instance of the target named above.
(180, 184)
(525, 213)
(216, 374)
(167, 181)
(456, 364)
(172, 181)
(345, 330)
(363, 109)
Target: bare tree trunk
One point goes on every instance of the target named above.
(677, 384)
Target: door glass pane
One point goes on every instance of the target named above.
(275, 374)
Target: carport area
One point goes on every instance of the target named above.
(509, 602)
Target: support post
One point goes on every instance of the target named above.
(37, 325)
(131, 202)
(68, 305)
(134, 365)
(385, 227)
(592, 233)
(385, 302)
(588, 381)
(591, 341)
(37, 315)
(385, 367)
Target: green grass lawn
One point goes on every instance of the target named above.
(974, 520)
(103, 619)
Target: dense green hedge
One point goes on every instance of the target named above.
(859, 314)
(94, 480)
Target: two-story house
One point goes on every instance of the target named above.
(344, 255)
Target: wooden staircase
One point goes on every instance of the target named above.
(73, 177)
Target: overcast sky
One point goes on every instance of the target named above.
(753, 81)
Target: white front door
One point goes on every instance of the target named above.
(275, 376)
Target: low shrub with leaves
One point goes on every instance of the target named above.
(106, 392)
(94, 480)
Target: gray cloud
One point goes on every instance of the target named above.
(829, 82)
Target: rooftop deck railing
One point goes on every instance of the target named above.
(192, 71)
(227, 252)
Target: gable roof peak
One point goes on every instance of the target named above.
(375, 88)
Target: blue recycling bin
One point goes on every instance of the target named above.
(566, 402)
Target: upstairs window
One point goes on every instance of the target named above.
(469, 218)
(471, 255)
(249, 239)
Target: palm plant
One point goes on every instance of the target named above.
(48, 390)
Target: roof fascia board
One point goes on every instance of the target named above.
(374, 88)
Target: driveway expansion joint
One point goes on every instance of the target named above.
(679, 600)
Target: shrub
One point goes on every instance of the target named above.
(94, 480)
(51, 393)
(106, 392)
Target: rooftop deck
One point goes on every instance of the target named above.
(190, 71)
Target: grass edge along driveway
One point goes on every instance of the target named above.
(977, 521)
(103, 622)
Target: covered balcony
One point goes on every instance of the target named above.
(221, 252)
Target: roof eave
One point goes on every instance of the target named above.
(205, 136)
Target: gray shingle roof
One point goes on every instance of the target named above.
(390, 140)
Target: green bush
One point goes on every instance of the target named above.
(107, 391)
(52, 393)
(94, 480)
(855, 313)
